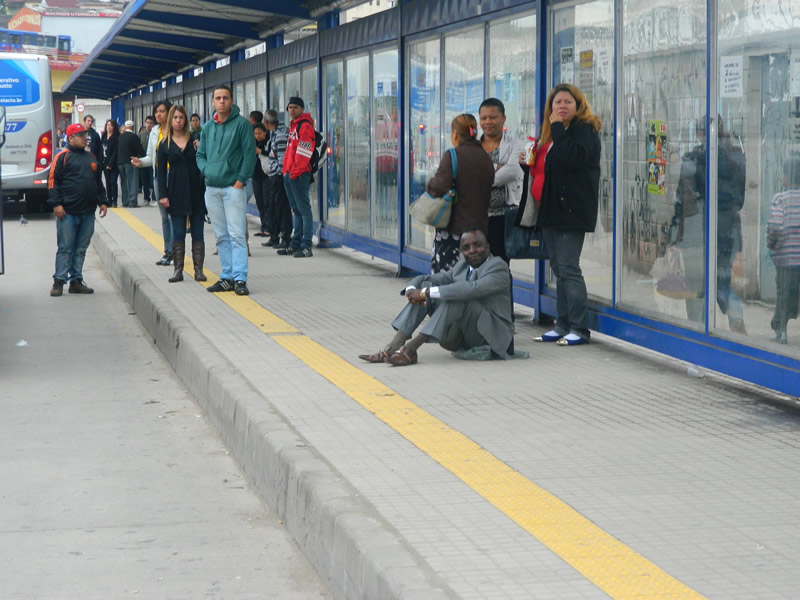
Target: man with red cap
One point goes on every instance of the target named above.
(75, 191)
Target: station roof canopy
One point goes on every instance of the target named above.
(155, 38)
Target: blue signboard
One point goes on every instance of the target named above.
(19, 82)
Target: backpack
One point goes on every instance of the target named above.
(320, 152)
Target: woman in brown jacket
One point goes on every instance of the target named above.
(474, 179)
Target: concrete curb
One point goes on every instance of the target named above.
(356, 552)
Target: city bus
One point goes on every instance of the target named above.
(28, 152)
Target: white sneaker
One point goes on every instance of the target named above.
(153, 203)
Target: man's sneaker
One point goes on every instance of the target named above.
(223, 285)
(286, 250)
(153, 203)
(58, 288)
(303, 253)
(240, 287)
(79, 287)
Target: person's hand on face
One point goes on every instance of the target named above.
(564, 108)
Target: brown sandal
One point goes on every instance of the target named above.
(403, 357)
(379, 357)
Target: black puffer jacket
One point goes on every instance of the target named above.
(75, 182)
(571, 178)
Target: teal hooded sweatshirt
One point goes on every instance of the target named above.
(227, 150)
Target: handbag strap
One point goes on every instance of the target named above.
(454, 163)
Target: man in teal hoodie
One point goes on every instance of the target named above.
(226, 158)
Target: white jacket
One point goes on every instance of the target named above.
(149, 159)
(510, 174)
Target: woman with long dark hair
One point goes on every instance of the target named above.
(110, 140)
(181, 194)
(570, 138)
(473, 184)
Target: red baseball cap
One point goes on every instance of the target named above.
(75, 128)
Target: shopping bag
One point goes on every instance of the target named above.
(675, 284)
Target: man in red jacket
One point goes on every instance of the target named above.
(297, 177)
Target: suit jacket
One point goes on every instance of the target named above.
(490, 286)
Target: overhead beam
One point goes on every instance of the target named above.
(280, 8)
(175, 39)
(163, 65)
(127, 49)
(214, 25)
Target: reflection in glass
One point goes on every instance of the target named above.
(758, 184)
(239, 99)
(583, 55)
(334, 130)
(357, 140)
(261, 94)
(424, 129)
(309, 95)
(277, 97)
(463, 74)
(665, 76)
(386, 126)
(293, 85)
(250, 97)
(512, 72)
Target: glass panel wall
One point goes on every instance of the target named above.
(463, 75)
(292, 89)
(386, 125)
(357, 144)
(261, 94)
(309, 95)
(334, 130)
(424, 129)
(662, 187)
(239, 98)
(758, 174)
(277, 96)
(250, 97)
(583, 55)
(512, 72)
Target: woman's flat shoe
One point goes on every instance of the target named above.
(565, 342)
(548, 337)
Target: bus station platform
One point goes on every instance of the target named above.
(589, 472)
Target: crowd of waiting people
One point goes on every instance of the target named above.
(193, 172)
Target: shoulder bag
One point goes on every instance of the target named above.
(433, 210)
(523, 239)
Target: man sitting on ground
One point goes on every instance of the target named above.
(469, 306)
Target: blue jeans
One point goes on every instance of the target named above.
(227, 208)
(572, 302)
(196, 222)
(298, 192)
(74, 234)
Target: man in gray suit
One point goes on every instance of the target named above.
(469, 306)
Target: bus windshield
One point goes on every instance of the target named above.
(19, 82)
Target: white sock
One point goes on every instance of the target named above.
(572, 337)
(551, 333)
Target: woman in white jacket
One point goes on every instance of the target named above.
(504, 150)
(149, 161)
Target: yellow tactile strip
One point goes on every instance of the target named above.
(605, 561)
(250, 310)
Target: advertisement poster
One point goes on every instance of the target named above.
(794, 74)
(567, 65)
(656, 157)
(731, 77)
(19, 82)
(586, 77)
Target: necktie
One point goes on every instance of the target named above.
(470, 271)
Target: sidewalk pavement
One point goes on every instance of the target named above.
(586, 472)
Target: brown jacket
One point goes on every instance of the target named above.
(474, 179)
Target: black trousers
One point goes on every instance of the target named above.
(146, 184)
(112, 189)
(281, 212)
(262, 190)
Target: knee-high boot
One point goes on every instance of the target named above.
(198, 257)
(178, 256)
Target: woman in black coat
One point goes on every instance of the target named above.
(110, 140)
(180, 186)
(569, 204)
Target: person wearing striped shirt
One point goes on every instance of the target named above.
(281, 213)
(783, 240)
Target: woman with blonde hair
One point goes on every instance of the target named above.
(473, 184)
(570, 138)
(181, 193)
